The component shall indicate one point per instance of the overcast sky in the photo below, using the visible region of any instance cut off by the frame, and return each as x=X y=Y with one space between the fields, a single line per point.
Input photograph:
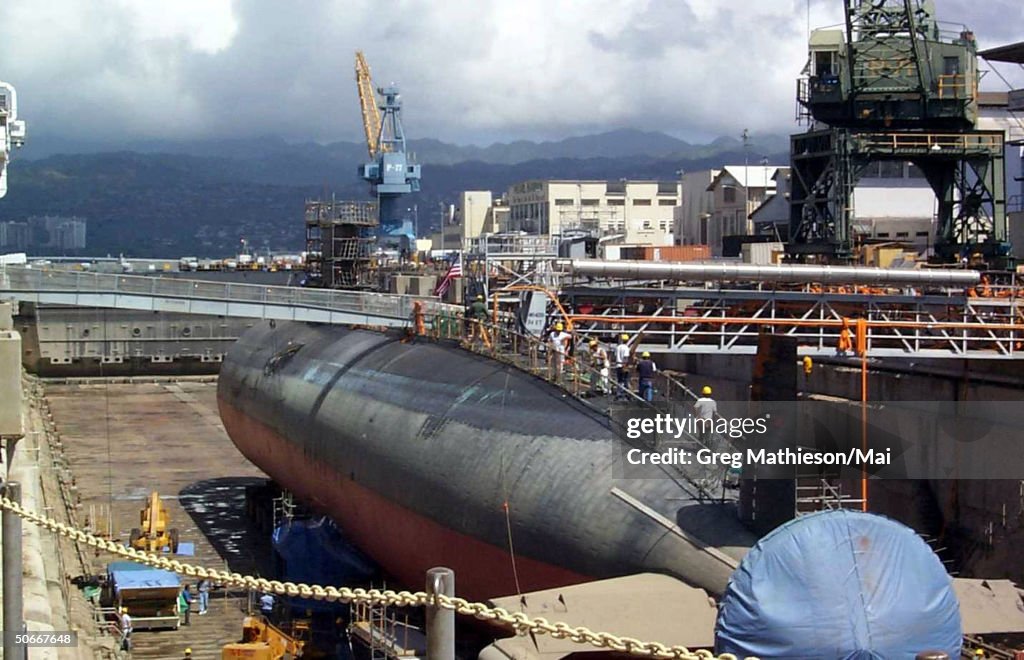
x=470 y=71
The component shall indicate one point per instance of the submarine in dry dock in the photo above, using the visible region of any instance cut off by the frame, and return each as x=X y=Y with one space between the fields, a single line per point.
x=427 y=454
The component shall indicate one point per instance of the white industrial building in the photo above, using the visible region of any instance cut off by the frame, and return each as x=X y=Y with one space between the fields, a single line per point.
x=690 y=221
x=719 y=203
x=640 y=211
x=474 y=216
x=892 y=201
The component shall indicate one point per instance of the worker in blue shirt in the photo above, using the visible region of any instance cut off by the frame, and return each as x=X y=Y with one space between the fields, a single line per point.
x=267 y=605
x=204 y=595
x=645 y=370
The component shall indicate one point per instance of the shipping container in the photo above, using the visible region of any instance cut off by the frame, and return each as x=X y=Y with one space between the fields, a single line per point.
x=676 y=253
x=633 y=252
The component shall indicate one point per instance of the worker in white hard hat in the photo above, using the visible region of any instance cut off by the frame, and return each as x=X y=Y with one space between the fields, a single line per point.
x=558 y=346
x=622 y=358
x=645 y=370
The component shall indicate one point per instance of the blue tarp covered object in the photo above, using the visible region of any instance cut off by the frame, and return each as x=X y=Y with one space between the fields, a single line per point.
x=129 y=575
x=314 y=551
x=839 y=584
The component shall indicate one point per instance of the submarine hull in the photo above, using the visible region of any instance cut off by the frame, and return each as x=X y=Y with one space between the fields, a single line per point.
x=429 y=455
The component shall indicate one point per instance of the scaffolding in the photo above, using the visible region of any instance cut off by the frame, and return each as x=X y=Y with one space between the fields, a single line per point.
x=339 y=243
x=378 y=629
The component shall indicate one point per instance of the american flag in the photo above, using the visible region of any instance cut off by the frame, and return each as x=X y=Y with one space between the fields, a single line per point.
x=453 y=272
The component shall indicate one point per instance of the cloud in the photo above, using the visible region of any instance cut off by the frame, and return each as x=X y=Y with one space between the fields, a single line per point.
x=121 y=70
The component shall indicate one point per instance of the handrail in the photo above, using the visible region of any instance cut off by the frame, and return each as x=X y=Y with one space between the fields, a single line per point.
x=933 y=141
x=372 y=304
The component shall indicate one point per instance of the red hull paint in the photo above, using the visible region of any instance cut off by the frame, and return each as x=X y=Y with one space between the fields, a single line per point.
x=404 y=542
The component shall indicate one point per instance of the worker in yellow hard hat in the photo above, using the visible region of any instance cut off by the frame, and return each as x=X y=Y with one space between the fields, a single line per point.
x=808 y=365
x=558 y=345
x=600 y=368
x=188 y=653
x=622 y=358
x=705 y=408
x=979 y=653
x=126 y=630
x=645 y=370
x=477 y=317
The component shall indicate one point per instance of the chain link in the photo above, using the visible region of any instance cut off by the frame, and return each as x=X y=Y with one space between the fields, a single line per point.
x=518 y=621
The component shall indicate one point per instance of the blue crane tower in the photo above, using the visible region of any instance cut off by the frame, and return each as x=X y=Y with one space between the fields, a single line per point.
x=391 y=174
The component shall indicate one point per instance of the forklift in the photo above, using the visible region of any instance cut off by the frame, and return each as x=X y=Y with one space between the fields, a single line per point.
x=153 y=535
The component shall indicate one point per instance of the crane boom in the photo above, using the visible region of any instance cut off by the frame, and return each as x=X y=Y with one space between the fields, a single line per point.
x=368 y=103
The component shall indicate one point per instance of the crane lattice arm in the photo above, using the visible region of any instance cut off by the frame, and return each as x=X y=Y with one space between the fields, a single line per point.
x=368 y=102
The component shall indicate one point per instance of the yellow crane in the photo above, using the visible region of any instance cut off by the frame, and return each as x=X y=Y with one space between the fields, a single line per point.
x=368 y=103
x=153 y=535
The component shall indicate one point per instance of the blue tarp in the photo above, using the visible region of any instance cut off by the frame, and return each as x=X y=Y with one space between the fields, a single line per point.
x=315 y=552
x=839 y=584
x=129 y=575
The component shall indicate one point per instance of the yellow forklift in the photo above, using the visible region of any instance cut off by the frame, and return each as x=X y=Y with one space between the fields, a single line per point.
x=153 y=534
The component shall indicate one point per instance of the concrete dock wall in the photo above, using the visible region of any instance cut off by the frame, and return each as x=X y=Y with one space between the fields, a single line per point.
x=979 y=522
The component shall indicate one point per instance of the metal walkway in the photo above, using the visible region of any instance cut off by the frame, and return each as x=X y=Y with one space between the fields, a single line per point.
x=974 y=323
x=154 y=293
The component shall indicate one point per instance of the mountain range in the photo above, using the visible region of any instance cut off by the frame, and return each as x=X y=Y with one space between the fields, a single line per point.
x=612 y=144
x=173 y=198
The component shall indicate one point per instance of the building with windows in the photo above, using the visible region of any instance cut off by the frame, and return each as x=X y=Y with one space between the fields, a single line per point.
x=473 y=215
x=690 y=219
x=15 y=235
x=738 y=190
x=48 y=233
x=892 y=201
x=640 y=211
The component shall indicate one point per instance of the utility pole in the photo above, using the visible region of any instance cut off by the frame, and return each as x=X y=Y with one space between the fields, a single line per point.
x=746 y=174
x=441 y=205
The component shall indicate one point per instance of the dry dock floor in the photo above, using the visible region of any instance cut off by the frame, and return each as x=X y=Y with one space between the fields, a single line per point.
x=123 y=441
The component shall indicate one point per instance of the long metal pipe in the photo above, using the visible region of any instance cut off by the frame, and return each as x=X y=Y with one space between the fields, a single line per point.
x=786 y=273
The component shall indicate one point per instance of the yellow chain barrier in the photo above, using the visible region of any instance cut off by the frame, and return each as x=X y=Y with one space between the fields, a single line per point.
x=518 y=621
